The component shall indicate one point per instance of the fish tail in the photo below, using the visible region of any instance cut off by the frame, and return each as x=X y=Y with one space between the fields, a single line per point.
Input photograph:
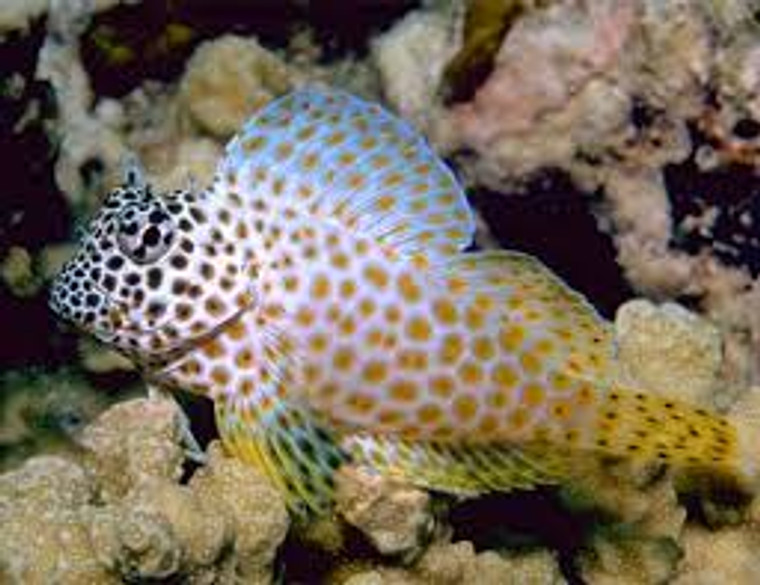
x=643 y=426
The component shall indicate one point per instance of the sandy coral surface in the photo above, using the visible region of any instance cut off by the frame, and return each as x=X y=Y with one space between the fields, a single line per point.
x=649 y=110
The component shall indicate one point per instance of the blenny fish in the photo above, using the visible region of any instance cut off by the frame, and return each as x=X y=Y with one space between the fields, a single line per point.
x=319 y=292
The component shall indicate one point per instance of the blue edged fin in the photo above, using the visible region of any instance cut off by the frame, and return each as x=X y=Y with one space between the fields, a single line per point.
x=348 y=161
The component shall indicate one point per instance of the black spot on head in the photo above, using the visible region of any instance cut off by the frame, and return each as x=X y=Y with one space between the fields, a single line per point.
x=157 y=216
x=156 y=309
x=179 y=286
x=130 y=229
x=91 y=300
x=151 y=237
x=155 y=276
x=109 y=283
x=198 y=215
x=132 y=279
x=187 y=245
x=185 y=225
x=178 y=261
x=114 y=262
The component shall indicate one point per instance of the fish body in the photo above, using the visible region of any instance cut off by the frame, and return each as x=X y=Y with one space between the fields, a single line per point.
x=319 y=293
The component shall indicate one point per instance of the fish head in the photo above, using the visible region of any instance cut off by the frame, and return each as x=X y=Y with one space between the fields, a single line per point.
x=154 y=273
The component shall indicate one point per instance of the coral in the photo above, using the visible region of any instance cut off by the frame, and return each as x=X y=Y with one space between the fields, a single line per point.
x=18 y=15
x=395 y=517
x=45 y=538
x=669 y=349
x=85 y=138
x=547 y=96
x=641 y=542
x=67 y=522
x=452 y=564
x=17 y=273
x=411 y=58
x=132 y=442
x=727 y=556
x=228 y=79
x=252 y=506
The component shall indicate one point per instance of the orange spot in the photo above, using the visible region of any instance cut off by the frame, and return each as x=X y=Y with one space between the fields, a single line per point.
x=393 y=179
x=483 y=348
x=347 y=289
x=474 y=318
x=244 y=359
x=532 y=395
x=518 y=419
x=418 y=328
x=375 y=337
x=412 y=360
x=212 y=348
x=392 y=314
x=408 y=288
x=253 y=144
x=503 y=376
x=442 y=386
x=318 y=342
x=470 y=373
x=320 y=287
x=376 y=275
x=560 y=381
x=366 y=307
x=339 y=260
x=456 y=285
x=451 y=348
x=220 y=375
x=305 y=316
x=429 y=414
x=390 y=417
x=283 y=150
x=335 y=138
x=530 y=362
x=385 y=203
x=561 y=411
x=343 y=359
x=347 y=325
x=403 y=391
x=362 y=403
x=585 y=394
x=311 y=373
x=374 y=372
x=306 y=132
x=488 y=425
x=445 y=311
x=497 y=399
x=465 y=408
x=511 y=338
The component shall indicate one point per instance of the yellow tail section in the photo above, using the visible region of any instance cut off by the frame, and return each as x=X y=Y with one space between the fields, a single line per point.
x=643 y=426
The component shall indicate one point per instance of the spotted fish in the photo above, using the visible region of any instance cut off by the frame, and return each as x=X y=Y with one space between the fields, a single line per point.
x=319 y=293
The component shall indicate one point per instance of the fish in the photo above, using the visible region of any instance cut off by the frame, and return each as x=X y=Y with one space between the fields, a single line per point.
x=323 y=292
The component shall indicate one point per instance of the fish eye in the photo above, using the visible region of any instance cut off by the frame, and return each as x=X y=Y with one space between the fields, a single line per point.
x=145 y=233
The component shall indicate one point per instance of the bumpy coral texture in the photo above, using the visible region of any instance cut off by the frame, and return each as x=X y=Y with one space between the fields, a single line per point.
x=121 y=513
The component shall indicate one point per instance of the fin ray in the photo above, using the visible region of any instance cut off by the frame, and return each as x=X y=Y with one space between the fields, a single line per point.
x=462 y=469
x=353 y=162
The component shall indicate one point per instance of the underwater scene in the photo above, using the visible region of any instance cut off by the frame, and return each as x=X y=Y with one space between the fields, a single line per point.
x=380 y=292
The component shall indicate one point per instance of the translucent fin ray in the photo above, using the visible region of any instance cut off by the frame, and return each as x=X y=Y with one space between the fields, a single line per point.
x=461 y=469
x=349 y=161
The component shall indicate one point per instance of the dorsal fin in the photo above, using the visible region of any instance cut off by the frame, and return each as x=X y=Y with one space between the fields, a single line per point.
x=349 y=161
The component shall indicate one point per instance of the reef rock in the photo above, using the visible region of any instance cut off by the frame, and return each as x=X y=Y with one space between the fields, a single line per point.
x=669 y=349
x=228 y=79
x=66 y=522
x=395 y=517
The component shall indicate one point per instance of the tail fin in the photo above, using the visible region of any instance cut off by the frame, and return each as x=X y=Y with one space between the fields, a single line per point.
x=643 y=426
